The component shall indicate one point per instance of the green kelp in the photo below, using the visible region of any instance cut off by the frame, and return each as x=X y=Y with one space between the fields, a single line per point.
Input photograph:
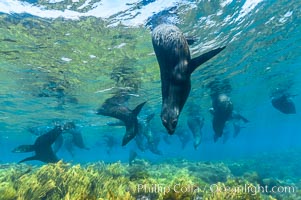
x=141 y=180
x=235 y=189
x=9 y=174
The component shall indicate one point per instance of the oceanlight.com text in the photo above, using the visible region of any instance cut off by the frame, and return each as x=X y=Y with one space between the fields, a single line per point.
x=214 y=188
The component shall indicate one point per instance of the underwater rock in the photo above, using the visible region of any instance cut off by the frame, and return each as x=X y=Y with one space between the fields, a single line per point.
x=211 y=172
x=253 y=177
x=120 y=181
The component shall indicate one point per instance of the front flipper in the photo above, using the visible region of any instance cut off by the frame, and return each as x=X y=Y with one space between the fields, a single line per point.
x=195 y=62
x=138 y=108
x=190 y=40
x=24 y=149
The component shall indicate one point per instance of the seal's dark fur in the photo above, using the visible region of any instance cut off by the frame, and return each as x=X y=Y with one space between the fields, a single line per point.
x=173 y=55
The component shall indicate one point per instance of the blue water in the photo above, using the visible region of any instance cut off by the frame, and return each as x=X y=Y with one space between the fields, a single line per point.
x=263 y=42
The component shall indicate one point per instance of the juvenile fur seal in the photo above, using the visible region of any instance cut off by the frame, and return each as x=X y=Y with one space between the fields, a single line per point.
x=42 y=147
x=129 y=117
x=144 y=138
x=77 y=138
x=173 y=55
x=236 y=129
x=284 y=104
x=222 y=111
x=195 y=124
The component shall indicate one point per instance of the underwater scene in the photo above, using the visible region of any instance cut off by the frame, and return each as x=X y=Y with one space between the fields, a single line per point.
x=150 y=99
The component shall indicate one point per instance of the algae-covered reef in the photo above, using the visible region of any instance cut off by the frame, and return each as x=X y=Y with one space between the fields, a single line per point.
x=141 y=180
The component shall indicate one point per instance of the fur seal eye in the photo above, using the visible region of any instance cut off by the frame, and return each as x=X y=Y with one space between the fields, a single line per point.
x=174 y=122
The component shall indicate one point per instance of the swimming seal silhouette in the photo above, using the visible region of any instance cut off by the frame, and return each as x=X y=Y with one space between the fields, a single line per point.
x=284 y=104
x=129 y=117
x=236 y=129
x=42 y=147
x=145 y=138
x=77 y=138
x=173 y=55
x=222 y=108
x=195 y=124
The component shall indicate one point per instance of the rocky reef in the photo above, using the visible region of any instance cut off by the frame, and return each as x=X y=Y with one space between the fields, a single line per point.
x=170 y=180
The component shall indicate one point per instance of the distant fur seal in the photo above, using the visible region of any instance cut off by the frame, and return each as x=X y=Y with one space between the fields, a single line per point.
x=222 y=112
x=284 y=104
x=236 y=129
x=42 y=147
x=173 y=55
x=77 y=138
x=195 y=124
x=144 y=138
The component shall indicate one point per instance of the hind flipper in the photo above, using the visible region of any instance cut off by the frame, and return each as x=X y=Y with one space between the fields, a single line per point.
x=28 y=159
x=137 y=110
x=130 y=133
x=132 y=126
x=24 y=149
x=195 y=62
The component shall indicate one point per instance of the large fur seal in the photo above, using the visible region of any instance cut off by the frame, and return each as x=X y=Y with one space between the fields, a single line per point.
x=42 y=147
x=173 y=55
